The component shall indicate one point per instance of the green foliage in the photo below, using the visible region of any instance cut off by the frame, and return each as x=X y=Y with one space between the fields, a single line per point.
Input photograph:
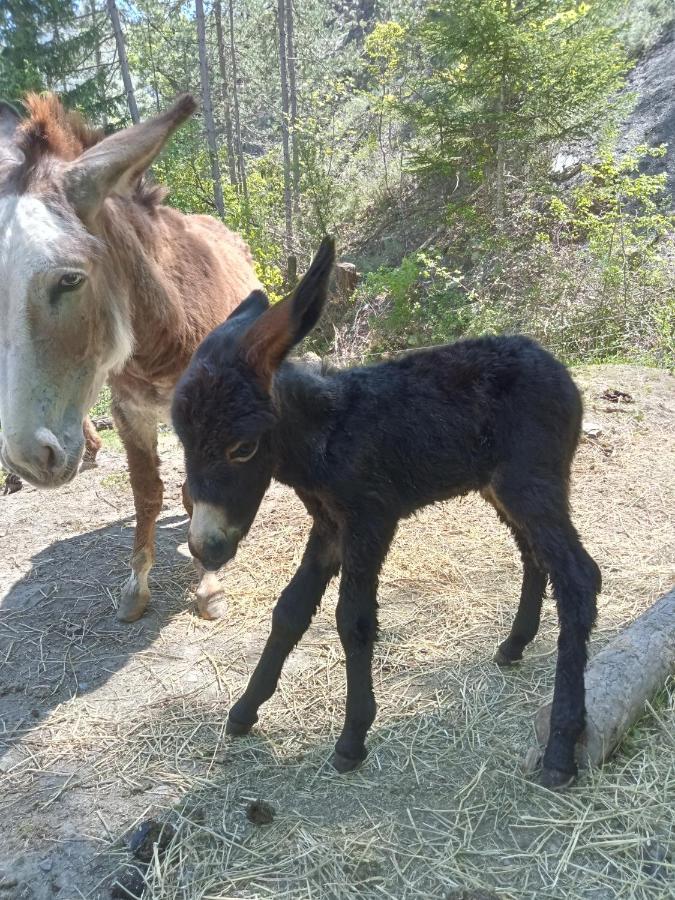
x=523 y=74
x=620 y=212
x=426 y=302
x=618 y=209
x=439 y=118
x=45 y=46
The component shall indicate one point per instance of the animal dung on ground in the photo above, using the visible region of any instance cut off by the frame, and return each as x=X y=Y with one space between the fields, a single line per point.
x=146 y=835
x=620 y=680
x=614 y=395
x=260 y=813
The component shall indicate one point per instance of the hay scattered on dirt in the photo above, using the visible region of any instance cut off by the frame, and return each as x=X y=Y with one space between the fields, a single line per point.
x=130 y=720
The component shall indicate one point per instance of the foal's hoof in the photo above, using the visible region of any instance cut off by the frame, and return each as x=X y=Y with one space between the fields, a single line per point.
x=237 y=729
x=555 y=779
x=343 y=764
x=504 y=659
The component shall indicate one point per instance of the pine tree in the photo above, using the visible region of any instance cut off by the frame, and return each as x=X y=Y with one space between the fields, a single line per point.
x=46 y=45
x=497 y=80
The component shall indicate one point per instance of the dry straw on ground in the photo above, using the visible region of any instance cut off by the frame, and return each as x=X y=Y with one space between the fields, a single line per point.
x=129 y=722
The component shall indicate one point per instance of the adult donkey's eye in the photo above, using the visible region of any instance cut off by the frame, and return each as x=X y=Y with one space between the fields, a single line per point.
x=242 y=451
x=70 y=281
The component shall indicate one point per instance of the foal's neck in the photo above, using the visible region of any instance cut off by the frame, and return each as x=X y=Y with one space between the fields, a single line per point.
x=305 y=401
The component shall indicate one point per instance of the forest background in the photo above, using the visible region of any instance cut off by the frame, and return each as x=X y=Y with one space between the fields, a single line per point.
x=478 y=160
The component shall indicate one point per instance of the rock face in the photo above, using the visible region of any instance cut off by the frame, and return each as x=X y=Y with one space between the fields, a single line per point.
x=652 y=121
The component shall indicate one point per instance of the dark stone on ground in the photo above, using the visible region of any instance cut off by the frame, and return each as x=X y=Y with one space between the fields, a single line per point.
x=260 y=813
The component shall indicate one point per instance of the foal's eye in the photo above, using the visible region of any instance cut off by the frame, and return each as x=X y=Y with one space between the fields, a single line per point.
x=70 y=281
x=242 y=451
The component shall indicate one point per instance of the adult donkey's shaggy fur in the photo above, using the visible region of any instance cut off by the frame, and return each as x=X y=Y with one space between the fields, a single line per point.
x=364 y=448
x=99 y=280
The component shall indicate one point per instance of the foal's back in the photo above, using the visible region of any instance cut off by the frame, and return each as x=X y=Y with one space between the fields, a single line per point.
x=441 y=422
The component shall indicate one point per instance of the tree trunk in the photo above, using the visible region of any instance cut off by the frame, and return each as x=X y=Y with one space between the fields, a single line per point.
x=502 y=106
x=97 y=56
x=235 y=102
x=501 y=156
x=620 y=680
x=208 y=111
x=124 y=63
x=281 y=21
x=151 y=55
x=225 y=91
x=293 y=98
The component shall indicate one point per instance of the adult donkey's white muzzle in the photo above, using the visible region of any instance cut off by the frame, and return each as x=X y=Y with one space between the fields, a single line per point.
x=40 y=457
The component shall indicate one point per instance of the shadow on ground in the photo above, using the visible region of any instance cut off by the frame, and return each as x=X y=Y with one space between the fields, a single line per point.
x=59 y=637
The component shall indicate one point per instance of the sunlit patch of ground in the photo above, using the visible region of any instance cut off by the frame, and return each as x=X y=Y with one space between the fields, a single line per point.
x=105 y=724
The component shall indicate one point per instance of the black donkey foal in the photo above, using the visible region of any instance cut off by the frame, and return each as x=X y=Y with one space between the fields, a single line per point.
x=366 y=447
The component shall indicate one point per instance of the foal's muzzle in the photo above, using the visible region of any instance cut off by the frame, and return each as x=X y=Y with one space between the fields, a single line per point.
x=212 y=541
x=215 y=551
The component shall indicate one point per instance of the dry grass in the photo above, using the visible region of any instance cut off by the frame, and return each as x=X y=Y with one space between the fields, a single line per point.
x=440 y=803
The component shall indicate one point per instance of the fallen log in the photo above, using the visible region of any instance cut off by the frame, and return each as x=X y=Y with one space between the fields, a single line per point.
x=620 y=679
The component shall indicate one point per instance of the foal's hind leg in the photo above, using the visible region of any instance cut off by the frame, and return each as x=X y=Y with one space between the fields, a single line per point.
x=526 y=623
x=138 y=431
x=539 y=509
x=211 y=602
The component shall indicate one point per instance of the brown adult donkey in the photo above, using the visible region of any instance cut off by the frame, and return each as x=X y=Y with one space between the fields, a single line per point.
x=99 y=281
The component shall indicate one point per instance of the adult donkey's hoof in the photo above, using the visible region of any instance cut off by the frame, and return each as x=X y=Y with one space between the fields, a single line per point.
x=211 y=602
x=133 y=602
x=213 y=607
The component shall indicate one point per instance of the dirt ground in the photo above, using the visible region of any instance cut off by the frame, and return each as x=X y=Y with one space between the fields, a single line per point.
x=103 y=725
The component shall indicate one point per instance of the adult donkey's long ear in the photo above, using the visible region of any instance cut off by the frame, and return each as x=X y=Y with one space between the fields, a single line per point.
x=285 y=324
x=114 y=165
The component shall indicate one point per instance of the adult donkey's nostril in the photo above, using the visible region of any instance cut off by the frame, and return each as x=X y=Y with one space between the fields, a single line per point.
x=50 y=455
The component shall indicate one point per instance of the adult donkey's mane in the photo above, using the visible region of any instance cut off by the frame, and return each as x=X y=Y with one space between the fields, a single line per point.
x=99 y=279
x=51 y=133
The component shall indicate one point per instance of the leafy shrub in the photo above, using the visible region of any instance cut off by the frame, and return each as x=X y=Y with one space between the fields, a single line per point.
x=426 y=302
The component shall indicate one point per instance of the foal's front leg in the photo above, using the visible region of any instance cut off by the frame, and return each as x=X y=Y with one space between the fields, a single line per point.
x=291 y=618
x=138 y=431
x=356 y=614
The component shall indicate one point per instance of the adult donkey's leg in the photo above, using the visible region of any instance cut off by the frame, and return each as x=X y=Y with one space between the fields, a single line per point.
x=92 y=444
x=138 y=431
x=211 y=602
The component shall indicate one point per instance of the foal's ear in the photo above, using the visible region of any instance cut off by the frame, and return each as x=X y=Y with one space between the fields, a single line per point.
x=115 y=164
x=285 y=324
x=253 y=306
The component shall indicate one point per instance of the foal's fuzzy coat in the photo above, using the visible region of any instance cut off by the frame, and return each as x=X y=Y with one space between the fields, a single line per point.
x=364 y=448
